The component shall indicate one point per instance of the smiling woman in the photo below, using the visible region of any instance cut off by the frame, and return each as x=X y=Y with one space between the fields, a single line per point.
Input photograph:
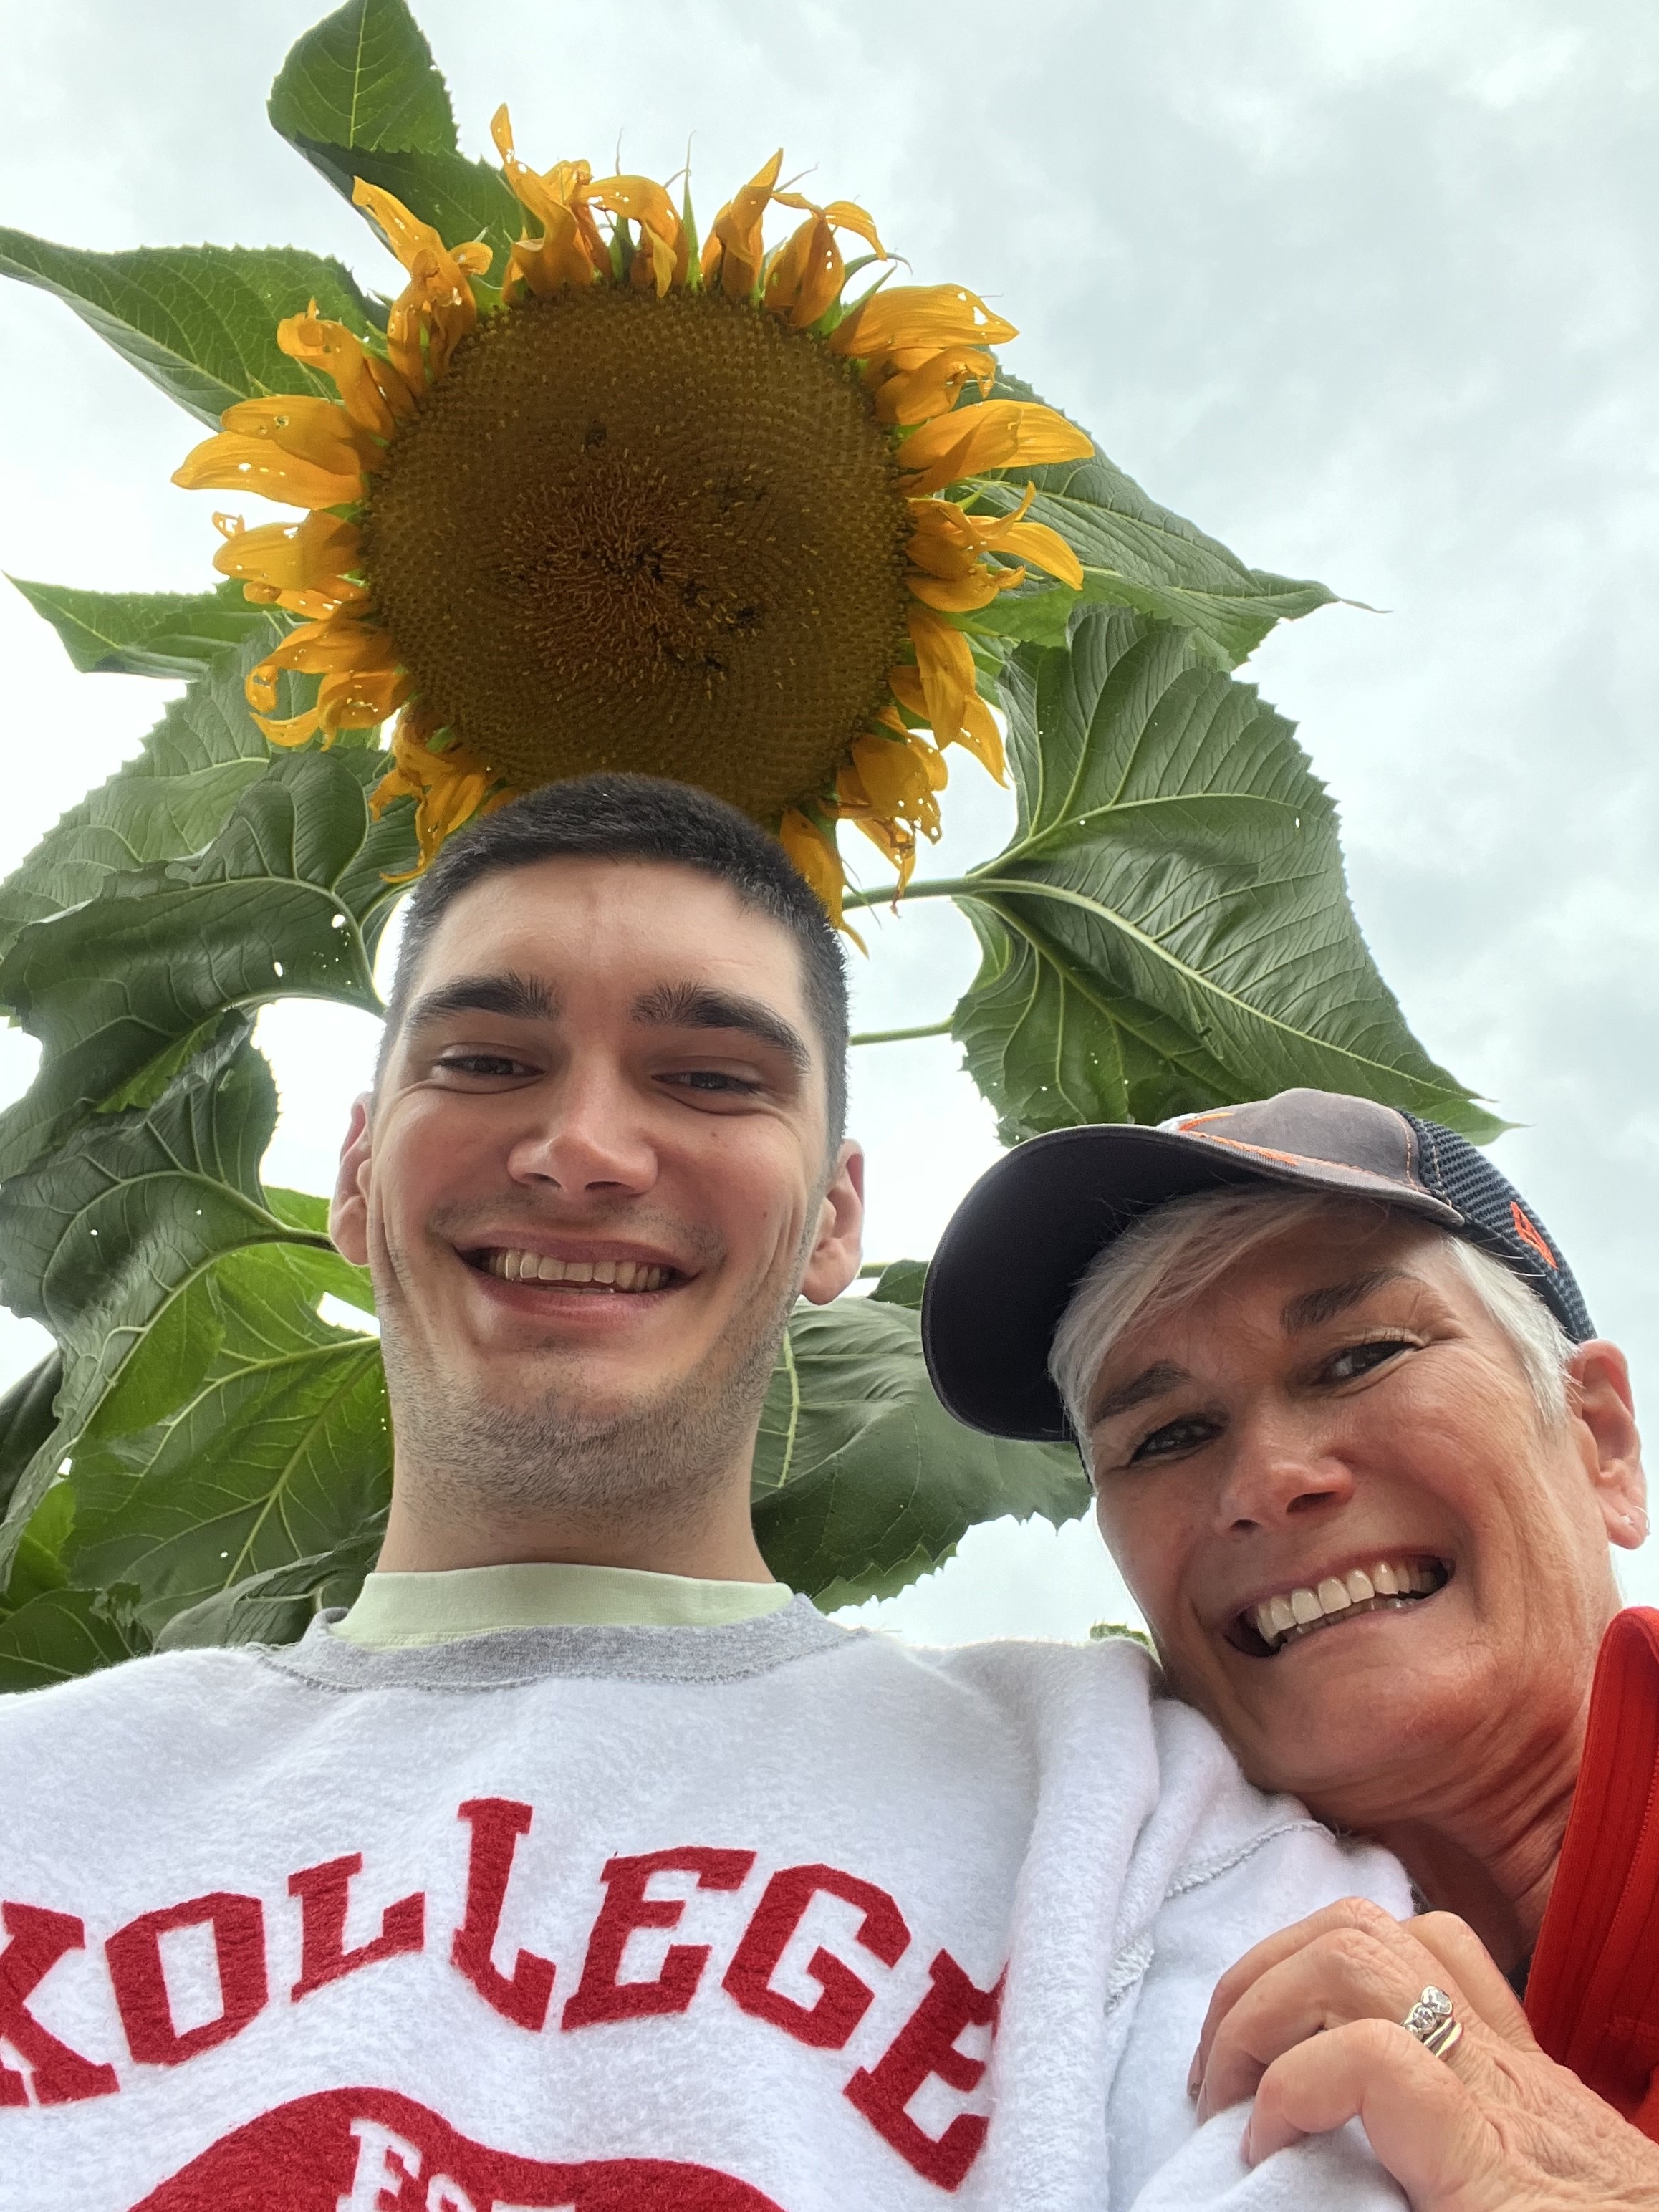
x=1360 y=1456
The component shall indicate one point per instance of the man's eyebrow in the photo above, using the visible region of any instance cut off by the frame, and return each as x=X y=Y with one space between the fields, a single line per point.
x=1151 y=1382
x=699 y=1006
x=1314 y=1307
x=519 y=998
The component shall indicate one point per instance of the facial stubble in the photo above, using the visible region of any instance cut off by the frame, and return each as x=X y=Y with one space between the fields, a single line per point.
x=660 y=1459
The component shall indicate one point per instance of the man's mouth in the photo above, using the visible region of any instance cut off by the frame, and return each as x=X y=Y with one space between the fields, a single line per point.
x=597 y=1273
x=1271 y=1623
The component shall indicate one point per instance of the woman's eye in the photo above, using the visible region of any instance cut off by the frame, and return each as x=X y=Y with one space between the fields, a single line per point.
x=1172 y=1439
x=1357 y=1360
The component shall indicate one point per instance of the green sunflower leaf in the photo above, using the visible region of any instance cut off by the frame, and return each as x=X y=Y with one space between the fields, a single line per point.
x=200 y=321
x=862 y=1481
x=1169 y=929
x=148 y=633
x=26 y=1420
x=364 y=76
x=99 y=1240
x=359 y=96
x=288 y=902
x=1136 y=554
x=243 y=1435
x=276 y=1606
x=171 y=800
x=64 y=1632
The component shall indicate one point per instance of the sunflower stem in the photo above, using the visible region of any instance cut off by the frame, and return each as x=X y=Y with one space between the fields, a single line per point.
x=899 y=1036
x=940 y=887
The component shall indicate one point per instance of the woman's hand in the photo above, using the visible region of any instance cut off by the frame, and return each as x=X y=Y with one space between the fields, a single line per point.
x=1308 y=2023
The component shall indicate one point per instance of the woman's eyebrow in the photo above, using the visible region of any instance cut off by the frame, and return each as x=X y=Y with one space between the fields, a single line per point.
x=699 y=1006
x=1163 y=1375
x=1313 y=1308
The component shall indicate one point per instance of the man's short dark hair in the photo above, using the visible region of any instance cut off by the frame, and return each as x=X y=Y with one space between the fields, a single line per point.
x=640 y=817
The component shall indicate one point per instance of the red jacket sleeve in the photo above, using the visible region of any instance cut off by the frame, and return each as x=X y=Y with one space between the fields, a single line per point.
x=1593 y=1993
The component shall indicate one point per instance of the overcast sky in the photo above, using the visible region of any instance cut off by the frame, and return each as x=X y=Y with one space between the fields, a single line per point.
x=1366 y=288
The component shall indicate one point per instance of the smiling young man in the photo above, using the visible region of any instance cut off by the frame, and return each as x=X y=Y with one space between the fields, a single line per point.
x=579 y=1865
x=1361 y=1457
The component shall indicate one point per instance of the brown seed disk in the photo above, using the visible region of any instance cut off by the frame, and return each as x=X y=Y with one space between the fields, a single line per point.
x=661 y=535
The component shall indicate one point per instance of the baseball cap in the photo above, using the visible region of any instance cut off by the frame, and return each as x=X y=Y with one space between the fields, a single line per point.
x=1014 y=1250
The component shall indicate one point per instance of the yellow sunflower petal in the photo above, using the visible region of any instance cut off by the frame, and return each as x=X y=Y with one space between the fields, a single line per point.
x=997 y=433
x=643 y=201
x=317 y=430
x=945 y=665
x=298 y=730
x=235 y=462
x=918 y=315
x=961 y=595
x=933 y=387
x=319 y=648
x=734 y=251
x=360 y=698
x=373 y=393
x=814 y=856
x=981 y=737
x=804 y=278
x=300 y=566
x=1043 y=548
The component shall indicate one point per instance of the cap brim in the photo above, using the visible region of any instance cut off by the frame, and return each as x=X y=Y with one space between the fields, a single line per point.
x=1016 y=1247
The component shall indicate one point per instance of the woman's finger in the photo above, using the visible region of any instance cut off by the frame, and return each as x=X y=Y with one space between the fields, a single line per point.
x=1347 y=1913
x=1464 y=1957
x=1340 y=1976
x=1423 y=2124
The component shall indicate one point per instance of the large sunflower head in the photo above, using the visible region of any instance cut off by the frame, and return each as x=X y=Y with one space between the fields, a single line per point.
x=690 y=513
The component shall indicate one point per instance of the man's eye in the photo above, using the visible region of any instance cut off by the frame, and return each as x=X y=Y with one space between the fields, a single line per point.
x=482 y=1064
x=1174 y=1438
x=715 y=1080
x=1357 y=1360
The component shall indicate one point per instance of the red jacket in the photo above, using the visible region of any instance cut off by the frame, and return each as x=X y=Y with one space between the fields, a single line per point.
x=1593 y=1993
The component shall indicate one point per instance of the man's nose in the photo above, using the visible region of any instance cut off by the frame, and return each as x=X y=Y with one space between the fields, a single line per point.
x=588 y=1135
x=1279 y=1474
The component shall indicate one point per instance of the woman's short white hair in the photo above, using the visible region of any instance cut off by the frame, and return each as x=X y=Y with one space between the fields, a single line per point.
x=1174 y=1252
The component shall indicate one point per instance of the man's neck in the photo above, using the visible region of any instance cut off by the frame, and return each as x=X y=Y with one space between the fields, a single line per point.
x=717 y=1545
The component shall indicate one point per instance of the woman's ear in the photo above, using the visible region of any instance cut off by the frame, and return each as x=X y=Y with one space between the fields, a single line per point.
x=348 y=1212
x=1611 y=1443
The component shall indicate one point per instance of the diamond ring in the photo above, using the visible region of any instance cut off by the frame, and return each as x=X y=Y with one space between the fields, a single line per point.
x=1434 y=2023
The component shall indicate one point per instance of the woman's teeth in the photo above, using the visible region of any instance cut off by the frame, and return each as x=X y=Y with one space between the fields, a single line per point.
x=604 y=1275
x=1295 y=1613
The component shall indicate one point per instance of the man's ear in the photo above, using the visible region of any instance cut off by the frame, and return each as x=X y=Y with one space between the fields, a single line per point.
x=832 y=1262
x=348 y=1212
x=1609 y=1440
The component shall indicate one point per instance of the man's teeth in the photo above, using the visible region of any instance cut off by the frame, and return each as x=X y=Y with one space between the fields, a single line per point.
x=610 y=1275
x=1294 y=1612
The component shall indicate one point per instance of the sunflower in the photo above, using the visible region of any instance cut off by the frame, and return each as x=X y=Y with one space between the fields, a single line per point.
x=689 y=513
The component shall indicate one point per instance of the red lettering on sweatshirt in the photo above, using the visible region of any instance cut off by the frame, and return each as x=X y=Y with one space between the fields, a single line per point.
x=927 y=2045
x=39 y=1939
x=828 y=2021
x=323 y=1892
x=134 y=1953
x=599 y=1996
x=522 y=1996
x=372 y=2150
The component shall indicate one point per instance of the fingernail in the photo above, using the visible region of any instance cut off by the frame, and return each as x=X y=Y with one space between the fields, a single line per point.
x=1244 y=2150
x=1194 y=2077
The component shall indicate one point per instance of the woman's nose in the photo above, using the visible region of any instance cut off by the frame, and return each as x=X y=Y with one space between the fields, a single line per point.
x=589 y=1136
x=1276 y=1476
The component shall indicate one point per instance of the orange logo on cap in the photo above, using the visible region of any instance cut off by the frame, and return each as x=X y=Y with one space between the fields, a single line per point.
x=1530 y=1234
